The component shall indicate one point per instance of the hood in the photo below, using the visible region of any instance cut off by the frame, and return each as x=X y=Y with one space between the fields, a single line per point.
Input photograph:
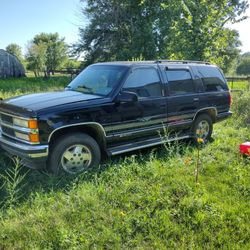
x=41 y=101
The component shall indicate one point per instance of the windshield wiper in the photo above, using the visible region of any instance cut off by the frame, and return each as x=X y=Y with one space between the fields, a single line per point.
x=84 y=87
x=81 y=88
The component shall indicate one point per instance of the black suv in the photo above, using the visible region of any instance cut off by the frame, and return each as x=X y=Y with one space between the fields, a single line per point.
x=112 y=108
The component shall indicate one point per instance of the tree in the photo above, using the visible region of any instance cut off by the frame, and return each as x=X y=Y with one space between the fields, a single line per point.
x=36 y=57
x=15 y=50
x=244 y=67
x=190 y=29
x=52 y=49
x=71 y=64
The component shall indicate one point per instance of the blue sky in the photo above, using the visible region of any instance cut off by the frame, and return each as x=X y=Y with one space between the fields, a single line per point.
x=21 y=20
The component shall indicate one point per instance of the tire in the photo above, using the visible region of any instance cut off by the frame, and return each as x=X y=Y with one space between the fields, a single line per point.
x=202 y=128
x=74 y=154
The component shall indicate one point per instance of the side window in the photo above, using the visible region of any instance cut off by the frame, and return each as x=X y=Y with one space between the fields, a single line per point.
x=212 y=78
x=145 y=82
x=180 y=82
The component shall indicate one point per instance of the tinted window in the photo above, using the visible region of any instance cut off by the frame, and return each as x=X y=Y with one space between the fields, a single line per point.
x=180 y=82
x=145 y=82
x=212 y=78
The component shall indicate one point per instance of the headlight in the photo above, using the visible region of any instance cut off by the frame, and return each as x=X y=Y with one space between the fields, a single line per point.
x=22 y=136
x=34 y=138
x=26 y=129
x=32 y=124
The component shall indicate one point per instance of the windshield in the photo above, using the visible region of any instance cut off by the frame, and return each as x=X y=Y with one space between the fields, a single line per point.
x=98 y=79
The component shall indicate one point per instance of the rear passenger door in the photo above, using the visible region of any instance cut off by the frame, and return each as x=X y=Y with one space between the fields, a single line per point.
x=183 y=98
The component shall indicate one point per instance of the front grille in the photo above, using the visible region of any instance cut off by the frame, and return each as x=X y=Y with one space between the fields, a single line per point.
x=6 y=118
x=8 y=131
x=6 y=122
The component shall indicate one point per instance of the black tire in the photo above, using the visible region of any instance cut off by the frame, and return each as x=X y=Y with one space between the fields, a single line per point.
x=201 y=121
x=74 y=154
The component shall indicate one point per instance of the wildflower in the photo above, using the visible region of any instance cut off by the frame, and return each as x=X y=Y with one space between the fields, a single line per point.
x=200 y=140
x=122 y=213
x=187 y=161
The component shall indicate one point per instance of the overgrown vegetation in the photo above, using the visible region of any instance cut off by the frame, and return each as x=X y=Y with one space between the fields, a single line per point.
x=143 y=200
x=13 y=87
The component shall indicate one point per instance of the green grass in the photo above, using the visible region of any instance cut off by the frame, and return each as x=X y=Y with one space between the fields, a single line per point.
x=25 y=85
x=242 y=85
x=143 y=200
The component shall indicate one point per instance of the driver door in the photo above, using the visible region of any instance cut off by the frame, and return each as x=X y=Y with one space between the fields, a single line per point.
x=145 y=117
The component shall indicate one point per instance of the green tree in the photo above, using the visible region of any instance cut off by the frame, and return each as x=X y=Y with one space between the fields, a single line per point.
x=36 y=57
x=71 y=64
x=190 y=29
x=244 y=67
x=15 y=50
x=53 y=51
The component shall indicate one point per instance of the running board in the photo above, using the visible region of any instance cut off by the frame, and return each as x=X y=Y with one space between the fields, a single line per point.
x=142 y=144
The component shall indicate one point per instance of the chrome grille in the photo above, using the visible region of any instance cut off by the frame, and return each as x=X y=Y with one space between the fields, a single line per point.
x=6 y=118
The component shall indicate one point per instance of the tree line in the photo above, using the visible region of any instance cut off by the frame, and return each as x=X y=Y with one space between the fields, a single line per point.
x=147 y=30
x=46 y=52
x=160 y=29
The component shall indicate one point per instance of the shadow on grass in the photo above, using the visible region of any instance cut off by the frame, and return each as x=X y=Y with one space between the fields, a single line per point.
x=40 y=181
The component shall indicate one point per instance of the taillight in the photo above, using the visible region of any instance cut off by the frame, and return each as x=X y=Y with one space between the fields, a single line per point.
x=230 y=100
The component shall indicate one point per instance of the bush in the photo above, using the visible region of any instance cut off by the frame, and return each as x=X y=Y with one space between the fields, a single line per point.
x=241 y=108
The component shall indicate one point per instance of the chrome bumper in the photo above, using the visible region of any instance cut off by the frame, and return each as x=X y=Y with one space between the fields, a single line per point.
x=23 y=150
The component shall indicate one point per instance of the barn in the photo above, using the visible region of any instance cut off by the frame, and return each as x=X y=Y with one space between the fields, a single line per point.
x=10 y=65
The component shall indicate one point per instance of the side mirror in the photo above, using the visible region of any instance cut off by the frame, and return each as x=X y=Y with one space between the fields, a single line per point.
x=126 y=96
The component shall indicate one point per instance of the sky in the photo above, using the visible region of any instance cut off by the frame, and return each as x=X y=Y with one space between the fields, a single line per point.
x=21 y=20
x=244 y=30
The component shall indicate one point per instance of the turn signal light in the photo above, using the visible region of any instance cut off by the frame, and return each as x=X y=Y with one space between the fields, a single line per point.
x=32 y=124
x=34 y=137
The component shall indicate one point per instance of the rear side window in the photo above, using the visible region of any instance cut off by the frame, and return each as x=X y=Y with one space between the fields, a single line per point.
x=145 y=82
x=180 y=82
x=212 y=78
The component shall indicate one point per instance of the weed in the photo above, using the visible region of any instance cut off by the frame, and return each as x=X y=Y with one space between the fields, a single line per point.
x=13 y=183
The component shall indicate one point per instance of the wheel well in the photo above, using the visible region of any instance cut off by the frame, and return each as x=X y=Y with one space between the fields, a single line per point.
x=211 y=112
x=92 y=130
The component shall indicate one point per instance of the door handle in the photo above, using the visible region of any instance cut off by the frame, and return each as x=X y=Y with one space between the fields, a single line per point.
x=196 y=99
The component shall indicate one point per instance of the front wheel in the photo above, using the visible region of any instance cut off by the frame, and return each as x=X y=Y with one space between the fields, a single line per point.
x=74 y=154
x=202 y=128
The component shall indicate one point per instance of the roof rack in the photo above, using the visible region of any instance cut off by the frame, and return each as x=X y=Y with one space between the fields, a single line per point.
x=182 y=61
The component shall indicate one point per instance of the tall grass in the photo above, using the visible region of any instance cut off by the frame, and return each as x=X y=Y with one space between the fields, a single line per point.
x=241 y=108
x=14 y=87
x=144 y=200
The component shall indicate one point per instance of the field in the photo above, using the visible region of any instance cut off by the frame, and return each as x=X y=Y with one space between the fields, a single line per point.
x=144 y=200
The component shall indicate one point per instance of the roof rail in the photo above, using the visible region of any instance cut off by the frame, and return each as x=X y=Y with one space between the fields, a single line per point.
x=182 y=61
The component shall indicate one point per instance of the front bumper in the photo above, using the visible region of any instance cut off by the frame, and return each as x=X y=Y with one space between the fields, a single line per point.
x=33 y=156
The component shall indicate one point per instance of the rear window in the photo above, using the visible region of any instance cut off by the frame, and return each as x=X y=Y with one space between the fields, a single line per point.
x=212 y=78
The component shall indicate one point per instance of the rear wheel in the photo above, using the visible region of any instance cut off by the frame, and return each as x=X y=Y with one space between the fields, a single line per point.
x=74 y=154
x=202 y=128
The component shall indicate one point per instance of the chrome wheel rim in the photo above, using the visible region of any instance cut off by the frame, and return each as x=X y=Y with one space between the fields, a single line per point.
x=76 y=158
x=202 y=130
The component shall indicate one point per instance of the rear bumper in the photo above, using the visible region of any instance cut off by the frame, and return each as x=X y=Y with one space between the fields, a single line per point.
x=223 y=116
x=33 y=156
